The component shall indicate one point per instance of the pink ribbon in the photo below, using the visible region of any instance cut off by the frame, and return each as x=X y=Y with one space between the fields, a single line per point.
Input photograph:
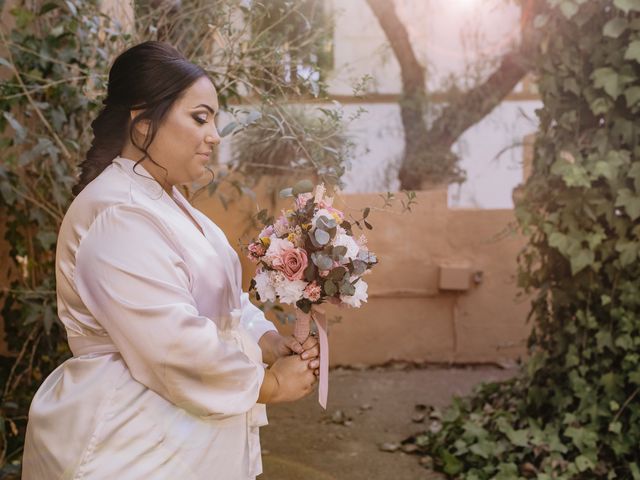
x=301 y=333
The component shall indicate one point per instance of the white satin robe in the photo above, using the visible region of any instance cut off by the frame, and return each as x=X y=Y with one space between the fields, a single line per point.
x=166 y=370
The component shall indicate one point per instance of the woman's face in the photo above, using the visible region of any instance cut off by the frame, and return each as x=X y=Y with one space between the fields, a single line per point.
x=185 y=139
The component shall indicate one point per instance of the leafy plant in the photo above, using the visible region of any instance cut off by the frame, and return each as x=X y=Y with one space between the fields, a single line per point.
x=574 y=411
x=54 y=74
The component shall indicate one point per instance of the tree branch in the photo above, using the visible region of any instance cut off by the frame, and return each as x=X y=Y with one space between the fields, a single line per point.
x=413 y=80
x=464 y=111
x=479 y=101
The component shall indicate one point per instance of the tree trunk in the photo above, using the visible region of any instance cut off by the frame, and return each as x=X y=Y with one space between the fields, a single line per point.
x=427 y=155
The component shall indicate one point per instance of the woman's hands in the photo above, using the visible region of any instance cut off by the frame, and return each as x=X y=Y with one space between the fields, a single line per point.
x=294 y=380
x=294 y=367
x=275 y=346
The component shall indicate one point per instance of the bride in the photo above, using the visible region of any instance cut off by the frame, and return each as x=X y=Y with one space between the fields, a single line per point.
x=168 y=377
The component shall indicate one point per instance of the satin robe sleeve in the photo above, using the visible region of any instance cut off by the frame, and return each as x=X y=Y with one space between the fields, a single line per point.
x=253 y=318
x=132 y=277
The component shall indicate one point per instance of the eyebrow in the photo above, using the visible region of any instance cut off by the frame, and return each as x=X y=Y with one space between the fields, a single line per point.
x=205 y=106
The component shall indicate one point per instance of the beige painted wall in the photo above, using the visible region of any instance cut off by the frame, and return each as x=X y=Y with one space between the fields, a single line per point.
x=407 y=316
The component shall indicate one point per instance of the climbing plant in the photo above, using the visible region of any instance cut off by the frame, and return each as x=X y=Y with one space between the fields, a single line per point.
x=54 y=65
x=574 y=411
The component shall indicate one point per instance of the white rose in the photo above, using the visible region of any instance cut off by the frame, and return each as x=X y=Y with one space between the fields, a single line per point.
x=358 y=297
x=290 y=291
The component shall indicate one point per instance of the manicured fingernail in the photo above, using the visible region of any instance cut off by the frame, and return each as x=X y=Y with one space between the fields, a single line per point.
x=305 y=355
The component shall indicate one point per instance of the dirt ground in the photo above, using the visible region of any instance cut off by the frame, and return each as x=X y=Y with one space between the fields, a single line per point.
x=366 y=408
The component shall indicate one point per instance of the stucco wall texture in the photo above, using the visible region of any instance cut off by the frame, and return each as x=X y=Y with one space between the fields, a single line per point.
x=408 y=316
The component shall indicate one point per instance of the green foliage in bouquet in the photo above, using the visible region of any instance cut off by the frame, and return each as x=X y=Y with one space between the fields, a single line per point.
x=574 y=411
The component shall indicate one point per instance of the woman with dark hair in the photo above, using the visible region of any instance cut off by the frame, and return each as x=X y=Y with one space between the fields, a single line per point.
x=168 y=377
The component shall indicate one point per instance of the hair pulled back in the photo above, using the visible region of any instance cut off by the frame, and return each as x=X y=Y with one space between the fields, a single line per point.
x=149 y=76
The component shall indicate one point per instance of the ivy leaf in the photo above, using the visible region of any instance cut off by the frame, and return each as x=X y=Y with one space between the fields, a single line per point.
x=629 y=251
x=519 y=438
x=452 y=465
x=605 y=169
x=634 y=172
x=614 y=27
x=558 y=241
x=601 y=105
x=633 y=51
x=615 y=427
x=607 y=79
x=627 y=5
x=581 y=260
x=584 y=463
x=568 y=8
x=630 y=201
x=603 y=340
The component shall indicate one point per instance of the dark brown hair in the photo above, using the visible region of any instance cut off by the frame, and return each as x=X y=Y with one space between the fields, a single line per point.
x=149 y=76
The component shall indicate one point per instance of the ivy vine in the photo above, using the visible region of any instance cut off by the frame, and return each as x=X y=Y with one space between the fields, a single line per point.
x=574 y=411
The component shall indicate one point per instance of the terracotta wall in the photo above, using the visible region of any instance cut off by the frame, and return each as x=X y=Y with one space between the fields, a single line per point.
x=408 y=316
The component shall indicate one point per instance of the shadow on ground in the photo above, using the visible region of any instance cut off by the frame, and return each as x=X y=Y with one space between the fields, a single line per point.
x=366 y=408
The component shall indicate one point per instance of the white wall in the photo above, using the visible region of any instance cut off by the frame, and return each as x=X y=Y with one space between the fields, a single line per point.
x=449 y=37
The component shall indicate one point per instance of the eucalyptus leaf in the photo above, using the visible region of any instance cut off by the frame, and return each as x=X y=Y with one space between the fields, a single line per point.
x=303 y=186
x=321 y=236
x=330 y=288
x=286 y=192
x=322 y=261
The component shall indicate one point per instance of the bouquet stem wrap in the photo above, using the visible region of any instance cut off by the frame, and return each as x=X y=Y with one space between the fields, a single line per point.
x=301 y=331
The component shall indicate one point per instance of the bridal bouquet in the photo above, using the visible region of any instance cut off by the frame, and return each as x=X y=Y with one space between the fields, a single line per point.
x=308 y=256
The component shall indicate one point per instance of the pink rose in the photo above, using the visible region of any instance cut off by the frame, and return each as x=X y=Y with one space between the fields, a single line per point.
x=292 y=263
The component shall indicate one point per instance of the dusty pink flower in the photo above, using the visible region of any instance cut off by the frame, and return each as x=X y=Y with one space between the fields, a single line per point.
x=292 y=263
x=256 y=251
x=312 y=291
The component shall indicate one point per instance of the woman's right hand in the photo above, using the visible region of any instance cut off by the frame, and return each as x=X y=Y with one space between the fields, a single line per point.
x=294 y=379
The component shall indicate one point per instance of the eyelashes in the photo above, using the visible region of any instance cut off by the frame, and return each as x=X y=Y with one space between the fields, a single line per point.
x=199 y=120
